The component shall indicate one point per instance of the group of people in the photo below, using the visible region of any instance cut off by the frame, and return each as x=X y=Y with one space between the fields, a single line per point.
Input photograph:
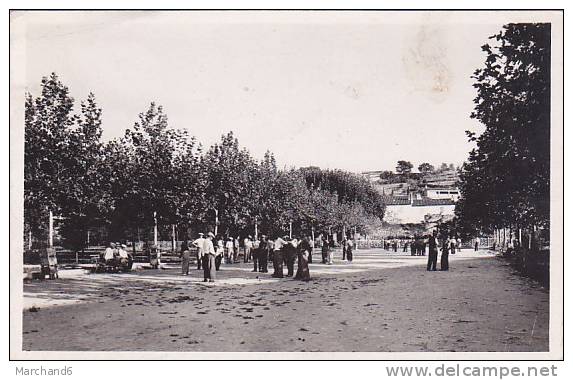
x=282 y=251
x=116 y=257
x=448 y=246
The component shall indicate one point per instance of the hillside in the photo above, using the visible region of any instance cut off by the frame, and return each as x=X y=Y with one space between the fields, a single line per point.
x=399 y=185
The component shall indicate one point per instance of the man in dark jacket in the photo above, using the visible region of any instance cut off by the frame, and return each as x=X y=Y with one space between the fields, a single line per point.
x=433 y=252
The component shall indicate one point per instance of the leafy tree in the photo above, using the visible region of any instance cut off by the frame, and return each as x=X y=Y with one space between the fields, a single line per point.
x=505 y=181
x=404 y=167
x=145 y=171
x=84 y=208
x=48 y=163
x=425 y=168
x=230 y=173
x=386 y=174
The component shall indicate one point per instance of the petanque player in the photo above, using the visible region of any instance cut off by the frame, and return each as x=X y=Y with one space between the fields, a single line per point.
x=290 y=256
x=433 y=252
x=303 y=272
x=220 y=250
x=264 y=248
x=185 y=258
x=325 y=249
x=209 y=255
x=444 y=263
x=247 y=247
x=255 y=254
x=198 y=243
x=278 y=257
x=229 y=251
x=349 y=248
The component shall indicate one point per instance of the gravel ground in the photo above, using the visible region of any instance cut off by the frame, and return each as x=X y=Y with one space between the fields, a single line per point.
x=382 y=302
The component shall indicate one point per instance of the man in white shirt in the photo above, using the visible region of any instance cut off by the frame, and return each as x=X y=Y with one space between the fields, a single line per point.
x=248 y=243
x=278 y=257
x=198 y=243
x=108 y=254
x=229 y=248
x=210 y=254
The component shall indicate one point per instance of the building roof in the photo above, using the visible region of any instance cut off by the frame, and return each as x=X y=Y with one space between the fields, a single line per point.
x=425 y=201
x=395 y=200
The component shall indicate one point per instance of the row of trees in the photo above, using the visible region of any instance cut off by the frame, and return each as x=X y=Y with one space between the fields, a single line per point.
x=156 y=174
x=505 y=182
x=404 y=169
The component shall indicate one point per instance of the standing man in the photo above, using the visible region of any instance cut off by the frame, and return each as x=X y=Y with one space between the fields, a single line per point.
x=476 y=243
x=433 y=252
x=325 y=248
x=278 y=257
x=453 y=243
x=349 y=248
x=344 y=248
x=290 y=253
x=263 y=254
x=248 y=246
x=444 y=262
x=255 y=254
x=219 y=251
x=198 y=243
x=209 y=255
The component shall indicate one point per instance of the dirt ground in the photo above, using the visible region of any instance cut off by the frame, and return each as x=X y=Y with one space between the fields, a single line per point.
x=382 y=302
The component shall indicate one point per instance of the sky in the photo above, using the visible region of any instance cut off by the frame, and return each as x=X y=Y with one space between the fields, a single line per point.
x=351 y=90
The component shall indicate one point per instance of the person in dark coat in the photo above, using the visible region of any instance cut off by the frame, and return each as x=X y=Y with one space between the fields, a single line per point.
x=344 y=248
x=349 y=248
x=303 y=272
x=185 y=258
x=433 y=252
x=290 y=256
x=278 y=252
x=325 y=249
x=444 y=262
x=263 y=254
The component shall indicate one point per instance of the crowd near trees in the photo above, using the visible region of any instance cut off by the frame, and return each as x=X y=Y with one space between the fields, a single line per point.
x=157 y=174
x=505 y=181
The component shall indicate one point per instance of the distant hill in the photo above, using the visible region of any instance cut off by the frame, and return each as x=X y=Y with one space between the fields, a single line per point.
x=395 y=184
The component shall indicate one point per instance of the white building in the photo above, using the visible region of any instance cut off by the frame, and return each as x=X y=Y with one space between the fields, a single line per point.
x=416 y=208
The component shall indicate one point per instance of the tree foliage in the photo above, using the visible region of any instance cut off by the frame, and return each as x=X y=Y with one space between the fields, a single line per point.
x=155 y=173
x=404 y=167
x=505 y=181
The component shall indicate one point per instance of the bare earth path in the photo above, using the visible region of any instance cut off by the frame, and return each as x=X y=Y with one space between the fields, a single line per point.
x=381 y=302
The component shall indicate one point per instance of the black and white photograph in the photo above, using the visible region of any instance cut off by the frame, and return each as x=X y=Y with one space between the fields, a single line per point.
x=286 y=184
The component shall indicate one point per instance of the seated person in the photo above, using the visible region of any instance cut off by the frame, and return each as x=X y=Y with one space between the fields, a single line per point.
x=125 y=260
x=109 y=254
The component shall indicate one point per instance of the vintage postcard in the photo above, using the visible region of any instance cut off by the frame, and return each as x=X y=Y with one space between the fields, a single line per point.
x=286 y=184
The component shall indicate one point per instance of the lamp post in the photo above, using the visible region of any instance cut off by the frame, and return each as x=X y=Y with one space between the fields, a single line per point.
x=216 y=221
x=50 y=229
x=155 y=238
